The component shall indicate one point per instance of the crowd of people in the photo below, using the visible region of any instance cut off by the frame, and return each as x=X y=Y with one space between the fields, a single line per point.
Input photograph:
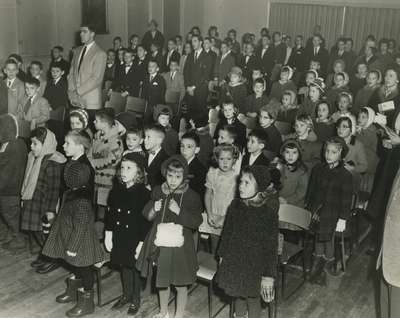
x=232 y=129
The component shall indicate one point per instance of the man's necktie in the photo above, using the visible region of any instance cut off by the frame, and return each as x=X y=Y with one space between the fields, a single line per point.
x=81 y=58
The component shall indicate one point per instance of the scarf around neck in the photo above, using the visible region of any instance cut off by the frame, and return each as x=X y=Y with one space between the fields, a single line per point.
x=34 y=163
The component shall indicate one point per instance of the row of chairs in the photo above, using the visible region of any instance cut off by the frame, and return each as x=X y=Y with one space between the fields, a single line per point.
x=124 y=104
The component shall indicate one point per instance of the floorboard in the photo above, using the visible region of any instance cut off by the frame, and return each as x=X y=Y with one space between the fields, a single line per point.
x=25 y=294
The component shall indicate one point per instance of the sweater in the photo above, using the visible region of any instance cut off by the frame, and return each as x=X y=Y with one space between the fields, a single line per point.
x=294 y=185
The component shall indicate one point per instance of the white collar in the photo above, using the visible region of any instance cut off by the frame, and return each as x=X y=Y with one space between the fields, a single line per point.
x=11 y=81
x=88 y=46
x=191 y=159
x=57 y=80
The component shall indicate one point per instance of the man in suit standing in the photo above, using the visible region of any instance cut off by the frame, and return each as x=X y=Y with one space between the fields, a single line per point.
x=318 y=53
x=248 y=62
x=197 y=74
x=85 y=77
x=126 y=76
x=266 y=56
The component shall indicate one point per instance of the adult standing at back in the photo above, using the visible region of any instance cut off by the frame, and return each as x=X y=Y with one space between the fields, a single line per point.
x=85 y=77
x=197 y=74
x=153 y=35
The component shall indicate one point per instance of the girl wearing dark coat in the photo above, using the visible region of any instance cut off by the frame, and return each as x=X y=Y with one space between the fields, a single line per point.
x=126 y=227
x=41 y=187
x=249 y=243
x=329 y=196
x=175 y=205
x=73 y=237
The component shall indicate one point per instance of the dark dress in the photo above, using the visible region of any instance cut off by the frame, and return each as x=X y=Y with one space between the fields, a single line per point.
x=125 y=219
x=175 y=265
x=45 y=197
x=324 y=131
x=248 y=246
x=330 y=191
x=73 y=229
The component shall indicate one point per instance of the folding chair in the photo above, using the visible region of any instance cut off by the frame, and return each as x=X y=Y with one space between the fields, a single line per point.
x=99 y=278
x=117 y=102
x=300 y=218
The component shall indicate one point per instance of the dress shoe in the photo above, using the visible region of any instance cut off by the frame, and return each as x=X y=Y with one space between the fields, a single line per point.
x=38 y=262
x=47 y=268
x=120 y=303
x=133 y=309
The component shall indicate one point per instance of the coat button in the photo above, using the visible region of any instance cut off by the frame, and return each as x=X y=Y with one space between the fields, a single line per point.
x=127 y=226
x=129 y=212
x=119 y=210
x=118 y=223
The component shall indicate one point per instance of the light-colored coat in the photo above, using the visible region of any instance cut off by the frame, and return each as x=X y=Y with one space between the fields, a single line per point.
x=173 y=87
x=389 y=255
x=37 y=114
x=16 y=95
x=84 y=87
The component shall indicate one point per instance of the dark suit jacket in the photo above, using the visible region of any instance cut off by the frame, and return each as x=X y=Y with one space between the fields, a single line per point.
x=198 y=73
x=140 y=73
x=248 y=67
x=125 y=81
x=280 y=53
x=154 y=176
x=148 y=40
x=298 y=59
x=160 y=60
x=175 y=56
x=197 y=174
x=214 y=57
x=322 y=57
x=267 y=61
x=223 y=67
x=260 y=161
x=57 y=94
x=154 y=91
x=3 y=98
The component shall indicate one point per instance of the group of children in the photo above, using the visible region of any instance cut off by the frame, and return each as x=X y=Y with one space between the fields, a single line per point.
x=152 y=186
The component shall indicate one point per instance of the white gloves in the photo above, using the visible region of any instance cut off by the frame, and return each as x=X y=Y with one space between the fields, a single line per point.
x=108 y=241
x=138 y=249
x=341 y=225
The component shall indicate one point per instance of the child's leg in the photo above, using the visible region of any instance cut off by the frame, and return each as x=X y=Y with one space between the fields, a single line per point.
x=181 y=301
x=240 y=307
x=164 y=297
x=254 y=306
x=214 y=243
x=127 y=282
x=136 y=286
x=329 y=249
x=86 y=274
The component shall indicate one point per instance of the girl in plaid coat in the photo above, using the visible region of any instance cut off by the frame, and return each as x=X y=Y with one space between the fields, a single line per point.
x=41 y=186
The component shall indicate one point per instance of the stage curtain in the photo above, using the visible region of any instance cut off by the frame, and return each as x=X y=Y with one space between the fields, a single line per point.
x=300 y=19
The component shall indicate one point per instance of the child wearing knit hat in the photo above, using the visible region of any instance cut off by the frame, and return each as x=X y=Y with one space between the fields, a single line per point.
x=79 y=120
x=285 y=83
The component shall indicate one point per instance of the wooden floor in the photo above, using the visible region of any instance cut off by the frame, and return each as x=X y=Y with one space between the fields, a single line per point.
x=23 y=294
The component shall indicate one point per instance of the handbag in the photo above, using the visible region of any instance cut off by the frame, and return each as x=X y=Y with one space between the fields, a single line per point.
x=169 y=234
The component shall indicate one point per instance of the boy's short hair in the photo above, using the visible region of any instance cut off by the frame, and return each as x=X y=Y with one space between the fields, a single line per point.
x=272 y=108
x=91 y=27
x=257 y=68
x=232 y=31
x=157 y=128
x=225 y=147
x=227 y=42
x=304 y=118
x=58 y=47
x=199 y=37
x=172 y=39
x=231 y=130
x=32 y=81
x=129 y=51
x=261 y=136
x=178 y=37
x=80 y=137
x=192 y=136
x=117 y=38
x=11 y=61
x=135 y=131
x=154 y=61
x=107 y=115
x=38 y=63
x=227 y=100
x=16 y=57
x=259 y=81
x=57 y=65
